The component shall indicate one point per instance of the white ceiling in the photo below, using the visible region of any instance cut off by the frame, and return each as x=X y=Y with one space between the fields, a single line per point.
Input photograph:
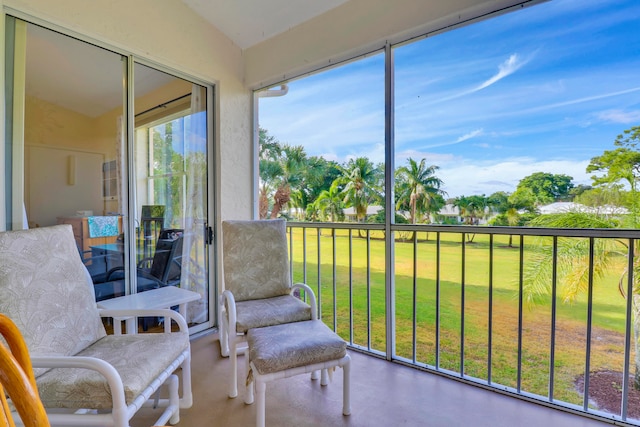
x=248 y=22
x=85 y=79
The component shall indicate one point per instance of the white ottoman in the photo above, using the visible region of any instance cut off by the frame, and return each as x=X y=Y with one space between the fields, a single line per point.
x=283 y=351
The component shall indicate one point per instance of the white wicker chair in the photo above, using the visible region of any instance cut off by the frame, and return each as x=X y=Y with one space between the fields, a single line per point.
x=84 y=376
x=257 y=285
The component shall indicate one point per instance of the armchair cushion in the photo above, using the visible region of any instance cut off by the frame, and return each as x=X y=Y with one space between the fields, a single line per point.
x=265 y=244
x=270 y=311
x=40 y=273
x=139 y=359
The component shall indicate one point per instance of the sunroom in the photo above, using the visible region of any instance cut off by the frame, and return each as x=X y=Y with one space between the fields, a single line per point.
x=126 y=118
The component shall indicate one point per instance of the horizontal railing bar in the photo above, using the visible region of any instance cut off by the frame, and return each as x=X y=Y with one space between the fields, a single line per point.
x=336 y=225
x=524 y=231
x=471 y=229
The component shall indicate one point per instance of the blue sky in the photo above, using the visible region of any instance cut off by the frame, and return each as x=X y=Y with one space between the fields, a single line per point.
x=543 y=89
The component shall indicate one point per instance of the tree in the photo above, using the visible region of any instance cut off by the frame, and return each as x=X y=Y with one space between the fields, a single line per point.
x=621 y=165
x=269 y=170
x=546 y=187
x=318 y=177
x=330 y=202
x=472 y=209
x=362 y=185
x=418 y=188
x=508 y=207
x=292 y=165
x=612 y=195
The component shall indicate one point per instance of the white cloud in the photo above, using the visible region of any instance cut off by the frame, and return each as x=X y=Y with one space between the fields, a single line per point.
x=460 y=177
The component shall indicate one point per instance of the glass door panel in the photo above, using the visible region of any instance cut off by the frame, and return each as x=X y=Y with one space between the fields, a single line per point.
x=67 y=139
x=171 y=185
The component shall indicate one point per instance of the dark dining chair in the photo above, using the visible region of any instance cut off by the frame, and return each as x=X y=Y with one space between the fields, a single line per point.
x=162 y=269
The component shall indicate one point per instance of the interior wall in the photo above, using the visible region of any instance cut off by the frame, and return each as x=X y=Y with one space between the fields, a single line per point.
x=58 y=142
x=355 y=28
x=169 y=33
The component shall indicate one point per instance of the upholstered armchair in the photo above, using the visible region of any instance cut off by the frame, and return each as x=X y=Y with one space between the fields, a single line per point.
x=257 y=285
x=84 y=376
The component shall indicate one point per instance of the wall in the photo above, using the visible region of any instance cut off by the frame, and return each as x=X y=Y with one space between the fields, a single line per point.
x=52 y=135
x=169 y=33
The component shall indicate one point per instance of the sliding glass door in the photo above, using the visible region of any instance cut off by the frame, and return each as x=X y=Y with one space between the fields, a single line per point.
x=170 y=166
x=129 y=177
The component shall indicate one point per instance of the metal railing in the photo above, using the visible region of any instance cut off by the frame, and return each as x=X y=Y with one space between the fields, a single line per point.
x=533 y=312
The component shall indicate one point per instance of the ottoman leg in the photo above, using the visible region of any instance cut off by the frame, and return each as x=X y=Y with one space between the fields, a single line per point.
x=261 y=389
x=346 y=386
x=324 y=377
x=248 y=394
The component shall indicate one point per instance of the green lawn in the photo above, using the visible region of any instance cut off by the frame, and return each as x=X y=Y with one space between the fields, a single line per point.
x=368 y=302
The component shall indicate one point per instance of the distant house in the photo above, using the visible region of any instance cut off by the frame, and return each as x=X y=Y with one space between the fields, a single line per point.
x=562 y=207
x=350 y=213
x=449 y=211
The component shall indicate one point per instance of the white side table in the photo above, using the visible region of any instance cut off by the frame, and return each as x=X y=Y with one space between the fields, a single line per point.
x=165 y=297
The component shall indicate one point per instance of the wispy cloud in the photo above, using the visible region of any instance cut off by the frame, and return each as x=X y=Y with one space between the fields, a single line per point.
x=469 y=135
x=580 y=100
x=465 y=137
x=619 y=116
x=505 y=69
x=508 y=67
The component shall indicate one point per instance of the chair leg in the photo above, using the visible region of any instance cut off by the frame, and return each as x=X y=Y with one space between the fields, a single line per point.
x=233 y=383
x=346 y=387
x=174 y=400
x=187 y=393
x=324 y=380
x=224 y=335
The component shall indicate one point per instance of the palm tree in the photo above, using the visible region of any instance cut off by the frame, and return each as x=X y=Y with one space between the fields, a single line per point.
x=269 y=172
x=292 y=165
x=330 y=202
x=362 y=185
x=418 y=187
x=508 y=207
x=472 y=209
x=572 y=263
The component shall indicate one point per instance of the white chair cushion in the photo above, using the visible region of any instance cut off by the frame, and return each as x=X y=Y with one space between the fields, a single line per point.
x=282 y=347
x=270 y=311
x=44 y=290
x=265 y=244
x=139 y=359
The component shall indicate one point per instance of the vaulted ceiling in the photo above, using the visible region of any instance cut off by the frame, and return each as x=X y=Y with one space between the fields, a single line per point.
x=248 y=22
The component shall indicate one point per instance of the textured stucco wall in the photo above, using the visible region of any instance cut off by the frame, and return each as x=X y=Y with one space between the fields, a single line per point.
x=171 y=34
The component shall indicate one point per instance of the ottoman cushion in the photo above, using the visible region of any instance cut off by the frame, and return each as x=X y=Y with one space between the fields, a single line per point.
x=281 y=347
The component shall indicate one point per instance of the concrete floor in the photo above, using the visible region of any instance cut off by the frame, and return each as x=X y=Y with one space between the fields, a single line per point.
x=382 y=394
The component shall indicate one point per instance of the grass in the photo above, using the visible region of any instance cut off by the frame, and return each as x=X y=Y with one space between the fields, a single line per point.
x=418 y=299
